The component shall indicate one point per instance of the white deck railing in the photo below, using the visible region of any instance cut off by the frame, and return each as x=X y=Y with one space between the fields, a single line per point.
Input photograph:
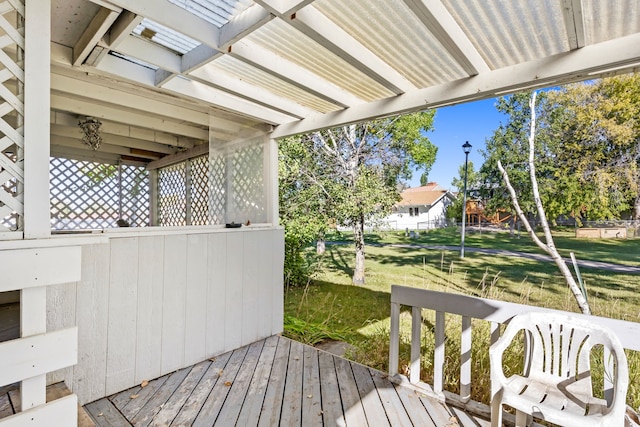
x=29 y=358
x=468 y=307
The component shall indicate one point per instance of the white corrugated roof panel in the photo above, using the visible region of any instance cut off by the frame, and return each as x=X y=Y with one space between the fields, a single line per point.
x=395 y=34
x=607 y=20
x=287 y=42
x=218 y=12
x=165 y=36
x=512 y=32
x=257 y=77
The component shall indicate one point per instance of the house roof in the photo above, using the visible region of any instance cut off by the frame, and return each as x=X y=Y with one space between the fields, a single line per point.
x=428 y=194
x=294 y=66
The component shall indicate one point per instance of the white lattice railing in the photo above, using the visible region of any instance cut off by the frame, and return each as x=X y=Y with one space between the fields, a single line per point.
x=12 y=104
x=28 y=358
x=468 y=308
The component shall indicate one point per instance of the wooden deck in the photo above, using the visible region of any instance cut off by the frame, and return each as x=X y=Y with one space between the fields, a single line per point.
x=275 y=381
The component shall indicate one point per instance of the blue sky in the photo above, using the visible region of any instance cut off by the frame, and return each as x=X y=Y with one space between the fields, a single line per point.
x=453 y=125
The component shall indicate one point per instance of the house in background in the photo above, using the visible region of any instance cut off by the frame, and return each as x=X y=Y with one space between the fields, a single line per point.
x=421 y=208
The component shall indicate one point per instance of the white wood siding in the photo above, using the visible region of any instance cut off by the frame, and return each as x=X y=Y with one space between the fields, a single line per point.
x=147 y=305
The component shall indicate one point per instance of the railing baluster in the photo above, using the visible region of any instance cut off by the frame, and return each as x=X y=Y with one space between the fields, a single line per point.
x=416 y=324
x=465 y=360
x=394 y=338
x=438 y=357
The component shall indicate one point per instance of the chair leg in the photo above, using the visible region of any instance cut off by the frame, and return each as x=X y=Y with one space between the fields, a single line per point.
x=522 y=419
x=496 y=413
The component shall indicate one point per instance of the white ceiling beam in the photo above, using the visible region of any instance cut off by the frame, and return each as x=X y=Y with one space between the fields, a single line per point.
x=73 y=86
x=63 y=141
x=250 y=92
x=122 y=28
x=118 y=114
x=437 y=19
x=242 y=25
x=589 y=62
x=292 y=73
x=151 y=53
x=174 y=17
x=226 y=101
x=237 y=28
x=140 y=144
x=98 y=27
x=83 y=154
x=574 y=22
x=126 y=131
x=321 y=29
x=283 y=7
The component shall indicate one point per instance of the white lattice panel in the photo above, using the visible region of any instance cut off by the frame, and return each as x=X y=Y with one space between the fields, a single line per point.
x=217 y=178
x=89 y=195
x=172 y=195
x=11 y=114
x=200 y=191
x=248 y=190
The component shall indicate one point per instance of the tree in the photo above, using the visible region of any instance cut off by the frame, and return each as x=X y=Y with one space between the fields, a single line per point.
x=598 y=132
x=304 y=192
x=548 y=246
x=356 y=171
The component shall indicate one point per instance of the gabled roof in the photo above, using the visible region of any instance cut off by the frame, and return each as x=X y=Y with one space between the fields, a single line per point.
x=429 y=194
x=300 y=65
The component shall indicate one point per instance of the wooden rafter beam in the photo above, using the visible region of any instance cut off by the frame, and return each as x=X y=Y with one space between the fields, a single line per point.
x=266 y=61
x=574 y=22
x=96 y=30
x=283 y=7
x=322 y=30
x=441 y=24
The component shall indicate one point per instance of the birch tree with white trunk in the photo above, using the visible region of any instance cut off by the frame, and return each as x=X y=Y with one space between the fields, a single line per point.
x=548 y=245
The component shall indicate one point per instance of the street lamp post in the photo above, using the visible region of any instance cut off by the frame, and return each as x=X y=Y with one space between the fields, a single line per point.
x=466 y=147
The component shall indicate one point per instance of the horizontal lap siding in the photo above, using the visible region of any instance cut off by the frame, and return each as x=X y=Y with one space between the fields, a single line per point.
x=149 y=305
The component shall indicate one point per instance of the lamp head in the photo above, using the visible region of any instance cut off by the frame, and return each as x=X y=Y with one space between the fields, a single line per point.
x=466 y=147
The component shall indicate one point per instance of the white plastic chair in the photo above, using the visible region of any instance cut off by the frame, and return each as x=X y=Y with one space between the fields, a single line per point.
x=556 y=384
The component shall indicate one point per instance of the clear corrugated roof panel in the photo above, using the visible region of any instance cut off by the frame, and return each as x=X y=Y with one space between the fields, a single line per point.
x=606 y=20
x=218 y=12
x=511 y=32
x=165 y=36
x=288 y=43
x=252 y=75
x=395 y=34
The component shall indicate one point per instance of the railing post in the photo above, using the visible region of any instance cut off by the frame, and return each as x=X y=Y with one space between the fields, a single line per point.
x=465 y=360
x=438 y=357
x=416 y=326
x=394 y=338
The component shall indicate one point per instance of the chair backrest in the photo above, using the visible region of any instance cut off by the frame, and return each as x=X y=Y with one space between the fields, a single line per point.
x=560 y=346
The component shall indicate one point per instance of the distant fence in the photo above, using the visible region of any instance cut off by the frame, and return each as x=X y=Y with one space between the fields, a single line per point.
x=632 y=226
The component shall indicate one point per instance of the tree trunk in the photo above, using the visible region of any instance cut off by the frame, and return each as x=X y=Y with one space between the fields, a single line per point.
x=320 y=244
x=358 y=239
x=549 y=247
x=636 y=209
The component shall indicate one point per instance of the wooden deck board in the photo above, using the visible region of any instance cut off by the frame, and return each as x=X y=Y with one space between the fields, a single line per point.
x=250 y=413
x=373 y=408
x=175 y=403
x=332 y=412
x=200 y=393
x=235 y=399
x=353 y=410
x=218 y=395
x=274 y=382
x=311 y=397
x=272 y=406
x=292 y=400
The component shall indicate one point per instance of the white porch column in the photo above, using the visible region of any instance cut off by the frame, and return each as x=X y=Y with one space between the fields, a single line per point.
x=271 y=181
x=37 y=88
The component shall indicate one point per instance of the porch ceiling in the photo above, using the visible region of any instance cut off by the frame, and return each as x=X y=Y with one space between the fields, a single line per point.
x=301 y=65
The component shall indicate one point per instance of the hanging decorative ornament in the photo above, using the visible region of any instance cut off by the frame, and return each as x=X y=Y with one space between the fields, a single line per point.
x=91 y=129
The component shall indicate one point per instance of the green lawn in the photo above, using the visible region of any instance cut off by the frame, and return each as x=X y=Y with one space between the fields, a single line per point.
x=360 y=314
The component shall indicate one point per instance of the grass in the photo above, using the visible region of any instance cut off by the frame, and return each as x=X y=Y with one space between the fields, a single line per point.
x=360 y=314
